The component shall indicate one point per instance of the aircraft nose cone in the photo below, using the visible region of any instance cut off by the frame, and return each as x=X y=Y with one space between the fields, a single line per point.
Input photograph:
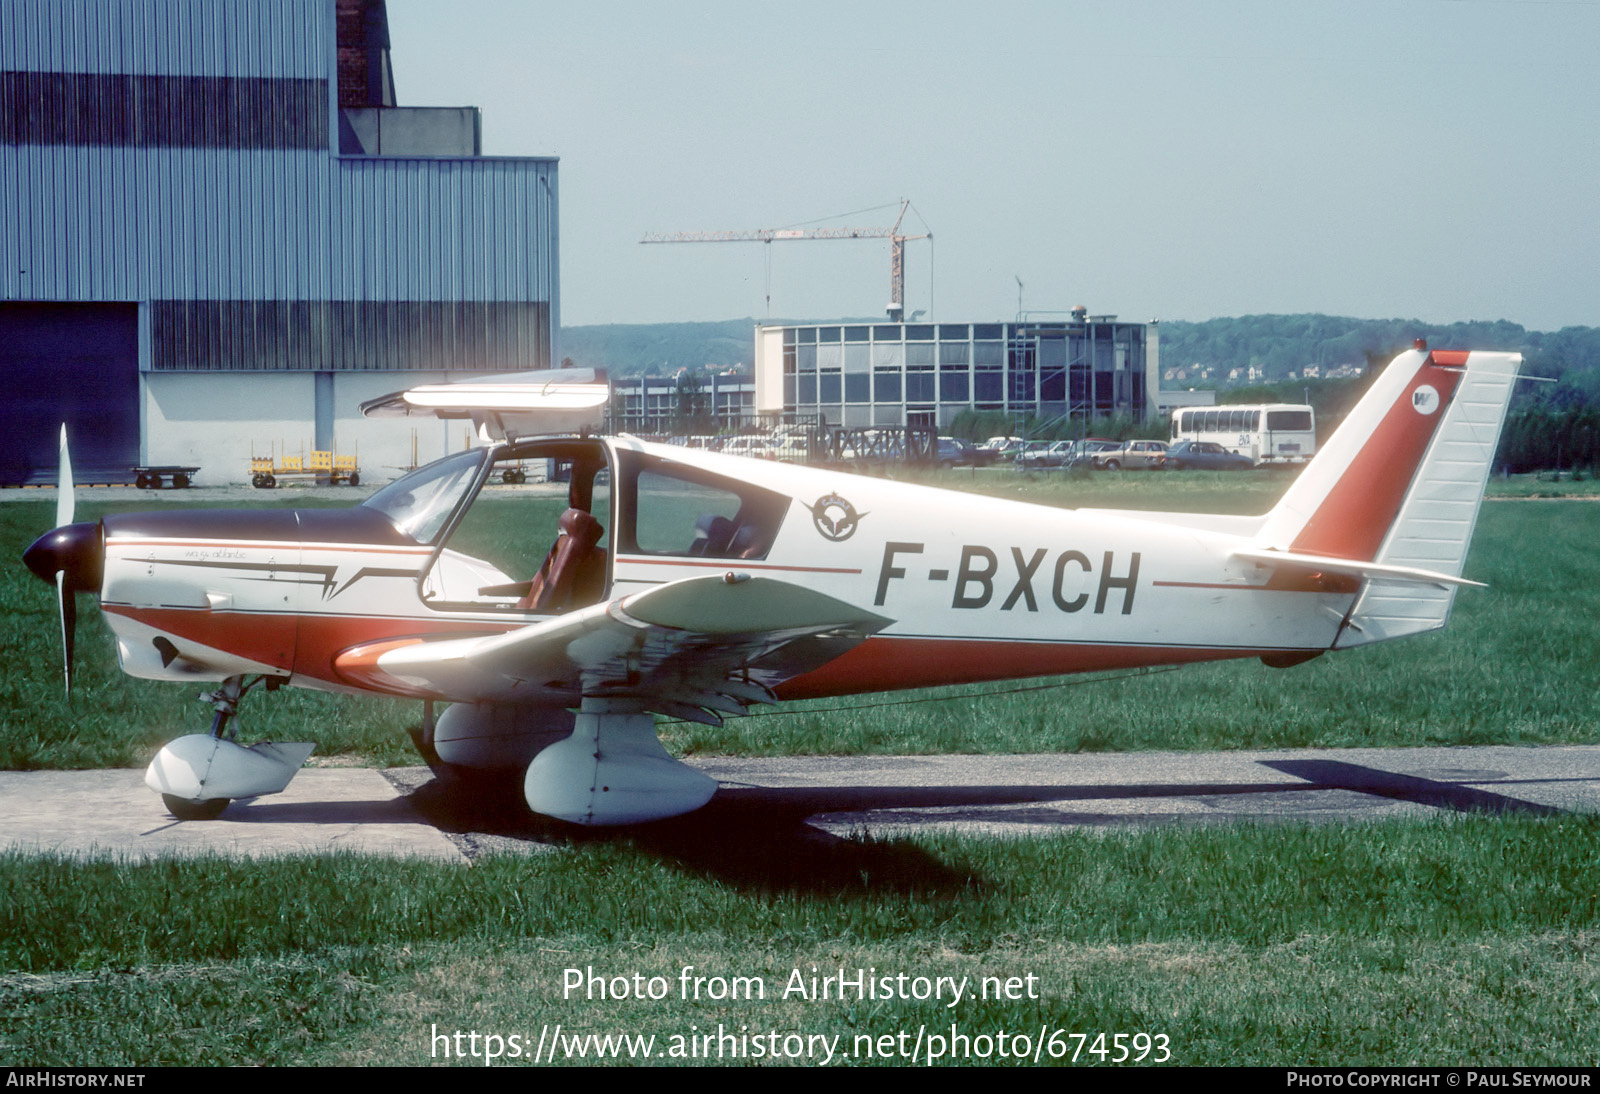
x=74 y=548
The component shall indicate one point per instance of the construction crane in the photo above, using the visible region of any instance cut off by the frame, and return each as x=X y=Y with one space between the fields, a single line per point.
x=897 y=248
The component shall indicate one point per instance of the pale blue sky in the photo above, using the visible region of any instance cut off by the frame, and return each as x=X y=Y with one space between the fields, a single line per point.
x=1436 y=159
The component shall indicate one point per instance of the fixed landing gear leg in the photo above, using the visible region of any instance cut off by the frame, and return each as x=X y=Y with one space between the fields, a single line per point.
x=198 y=775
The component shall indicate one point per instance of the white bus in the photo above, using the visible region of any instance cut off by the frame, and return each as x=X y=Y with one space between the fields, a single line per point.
x=1266 y=433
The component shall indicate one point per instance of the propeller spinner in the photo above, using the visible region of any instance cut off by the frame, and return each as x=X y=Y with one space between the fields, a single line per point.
x=70 y=557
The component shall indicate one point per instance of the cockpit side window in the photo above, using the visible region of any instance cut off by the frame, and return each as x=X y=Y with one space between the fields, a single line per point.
x=667 y=508
x=534 y=539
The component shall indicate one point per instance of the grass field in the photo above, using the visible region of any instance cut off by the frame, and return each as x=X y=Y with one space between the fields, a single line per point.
x=1471 y=939
x=1468 y=941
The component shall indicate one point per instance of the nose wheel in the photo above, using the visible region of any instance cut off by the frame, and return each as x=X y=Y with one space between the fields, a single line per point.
x=185 y=810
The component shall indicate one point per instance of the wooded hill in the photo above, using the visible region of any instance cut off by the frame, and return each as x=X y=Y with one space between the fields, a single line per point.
x=1275 y=344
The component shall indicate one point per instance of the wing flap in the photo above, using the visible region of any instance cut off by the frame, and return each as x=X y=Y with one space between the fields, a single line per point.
x=714 y=644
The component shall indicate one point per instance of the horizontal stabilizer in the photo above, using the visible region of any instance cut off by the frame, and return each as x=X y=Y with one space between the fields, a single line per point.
x=1367 y=571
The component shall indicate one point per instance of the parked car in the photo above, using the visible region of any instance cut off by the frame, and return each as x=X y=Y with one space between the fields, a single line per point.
x=1205 y=456
x=1134 y=455
x=1086 y=452
x=1030 y=454
x=1040 y=454
x=987 y=455
x=954 y=453
x=789 y=449
x=748 y=445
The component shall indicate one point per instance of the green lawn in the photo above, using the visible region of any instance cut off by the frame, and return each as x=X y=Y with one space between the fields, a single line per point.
x=1474 y=940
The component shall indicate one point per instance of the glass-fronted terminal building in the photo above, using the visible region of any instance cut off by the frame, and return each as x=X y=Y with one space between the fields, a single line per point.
x=893 y=374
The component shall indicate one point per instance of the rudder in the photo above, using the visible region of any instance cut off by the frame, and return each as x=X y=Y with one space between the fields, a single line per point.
x=1400 y=484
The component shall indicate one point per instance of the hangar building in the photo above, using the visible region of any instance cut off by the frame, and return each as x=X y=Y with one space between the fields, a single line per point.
x=895 y=374
x=220 y=233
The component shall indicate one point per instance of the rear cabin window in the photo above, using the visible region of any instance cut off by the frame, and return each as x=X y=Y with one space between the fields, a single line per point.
x=673 y=509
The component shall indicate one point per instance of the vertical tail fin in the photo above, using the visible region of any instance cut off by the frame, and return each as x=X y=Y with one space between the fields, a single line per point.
x=1400 y=484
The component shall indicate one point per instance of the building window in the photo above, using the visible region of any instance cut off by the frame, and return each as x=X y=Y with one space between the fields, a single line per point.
x=84 y=108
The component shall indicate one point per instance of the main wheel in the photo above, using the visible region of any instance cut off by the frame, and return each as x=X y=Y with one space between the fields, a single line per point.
x=186 y=810
x=353 y=480
x=269 y=481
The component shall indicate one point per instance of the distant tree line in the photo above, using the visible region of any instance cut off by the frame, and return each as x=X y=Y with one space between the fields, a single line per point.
x=1540 y=437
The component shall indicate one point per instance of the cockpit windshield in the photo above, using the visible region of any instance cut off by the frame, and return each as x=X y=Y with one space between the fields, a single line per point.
x=419 y=503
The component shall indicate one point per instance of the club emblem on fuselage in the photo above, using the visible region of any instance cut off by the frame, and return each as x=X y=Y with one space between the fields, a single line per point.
x=835 y=518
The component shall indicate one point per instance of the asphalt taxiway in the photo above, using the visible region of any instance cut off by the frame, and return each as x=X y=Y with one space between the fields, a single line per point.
x=405 y=812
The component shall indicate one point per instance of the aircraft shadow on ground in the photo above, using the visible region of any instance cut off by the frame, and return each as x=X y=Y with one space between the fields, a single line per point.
x=761 y=836
x=744 y=841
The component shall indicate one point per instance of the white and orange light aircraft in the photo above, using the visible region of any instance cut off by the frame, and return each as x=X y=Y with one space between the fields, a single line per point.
x=695 y=585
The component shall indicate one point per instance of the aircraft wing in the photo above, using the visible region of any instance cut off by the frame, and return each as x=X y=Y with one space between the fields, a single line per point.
x=689 y=649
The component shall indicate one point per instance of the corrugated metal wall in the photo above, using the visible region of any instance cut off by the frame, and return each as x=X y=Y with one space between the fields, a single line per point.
x=205 y=232
x=169 y=37
x=106 y=223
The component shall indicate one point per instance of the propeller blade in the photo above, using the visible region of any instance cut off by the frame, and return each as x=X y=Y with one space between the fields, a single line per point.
x=65 y=501
x=67 y=602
